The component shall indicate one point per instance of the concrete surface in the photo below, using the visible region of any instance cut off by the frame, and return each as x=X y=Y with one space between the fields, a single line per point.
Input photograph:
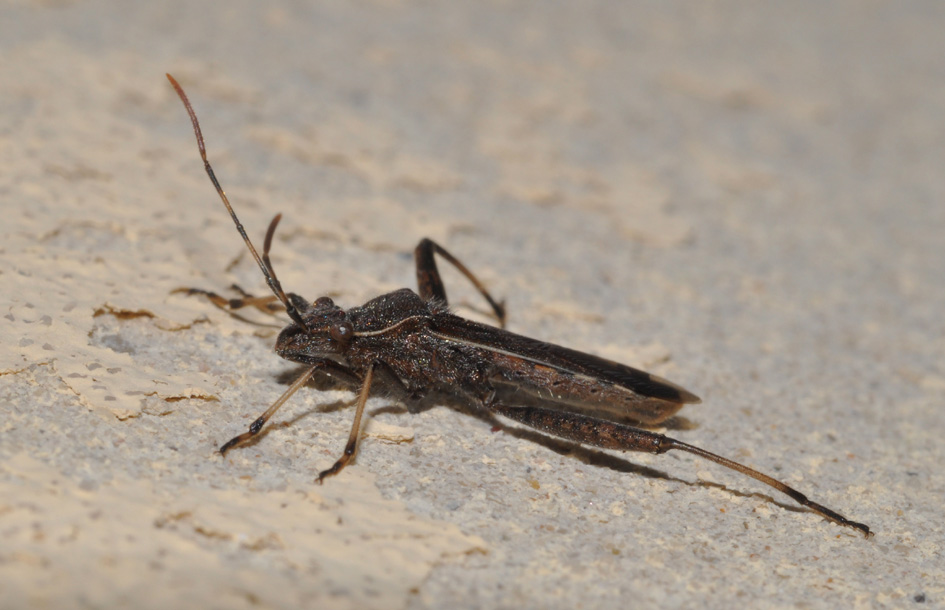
x=746 y=198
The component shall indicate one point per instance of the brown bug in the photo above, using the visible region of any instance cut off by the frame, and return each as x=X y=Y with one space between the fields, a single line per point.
x=414 y=342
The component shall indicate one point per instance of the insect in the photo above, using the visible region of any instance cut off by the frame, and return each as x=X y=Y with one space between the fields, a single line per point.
x=414 y=342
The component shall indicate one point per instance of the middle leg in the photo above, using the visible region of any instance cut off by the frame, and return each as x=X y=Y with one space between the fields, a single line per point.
x=431 y=284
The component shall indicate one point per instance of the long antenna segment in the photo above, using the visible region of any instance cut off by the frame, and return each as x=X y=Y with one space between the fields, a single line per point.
x=263 y=261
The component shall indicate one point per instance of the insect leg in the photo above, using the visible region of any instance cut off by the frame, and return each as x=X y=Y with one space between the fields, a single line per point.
x=265 y=304
x=609 y=435
x=329 y=366
x=351 y=446
x=431 y=284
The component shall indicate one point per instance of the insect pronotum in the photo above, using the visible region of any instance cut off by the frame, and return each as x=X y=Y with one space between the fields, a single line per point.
x=418 y=346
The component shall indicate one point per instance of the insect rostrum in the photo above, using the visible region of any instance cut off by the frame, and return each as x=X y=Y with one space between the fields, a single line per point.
x=412 y=340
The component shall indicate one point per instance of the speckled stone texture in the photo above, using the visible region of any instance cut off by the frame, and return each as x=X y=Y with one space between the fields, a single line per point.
x=745 y=198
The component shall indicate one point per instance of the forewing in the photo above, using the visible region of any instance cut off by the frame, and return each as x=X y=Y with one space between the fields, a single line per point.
x=527 y=371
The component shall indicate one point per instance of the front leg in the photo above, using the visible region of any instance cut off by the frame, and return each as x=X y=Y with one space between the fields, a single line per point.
x=268 y=304
x=351 y=447
x=386 y=374
x=431 y=285
x=328 y=366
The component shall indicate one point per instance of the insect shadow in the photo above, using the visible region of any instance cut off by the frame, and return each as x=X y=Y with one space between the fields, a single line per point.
x=590 y=456
x=411 y=342
x=587 y=455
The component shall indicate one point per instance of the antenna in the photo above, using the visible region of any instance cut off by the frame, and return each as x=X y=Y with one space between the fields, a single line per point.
x=263 y=262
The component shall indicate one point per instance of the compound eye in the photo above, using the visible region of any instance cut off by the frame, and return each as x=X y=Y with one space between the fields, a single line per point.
x=324 y=302
x=341 y=332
